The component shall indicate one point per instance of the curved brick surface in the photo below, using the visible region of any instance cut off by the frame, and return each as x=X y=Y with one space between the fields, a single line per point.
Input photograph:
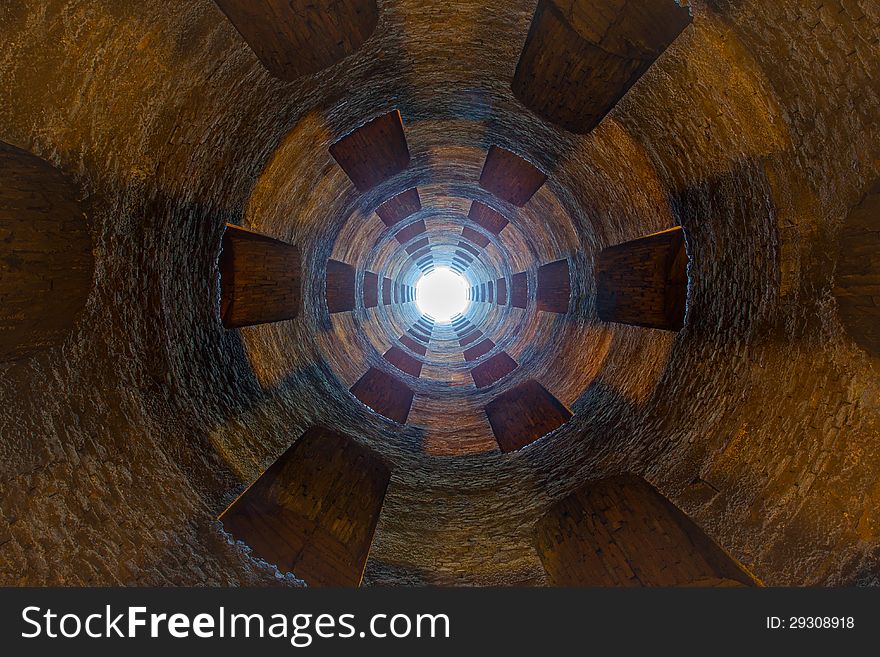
x=757 y=131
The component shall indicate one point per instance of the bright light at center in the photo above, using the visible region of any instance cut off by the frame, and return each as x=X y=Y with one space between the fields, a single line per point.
x=442 y=294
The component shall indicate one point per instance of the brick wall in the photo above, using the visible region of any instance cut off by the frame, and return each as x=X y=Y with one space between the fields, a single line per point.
x=554 y=287
x=510 y=177
x=857 y=278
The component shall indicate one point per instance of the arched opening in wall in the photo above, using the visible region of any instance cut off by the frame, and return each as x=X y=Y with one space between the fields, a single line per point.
x=857 y=278
x=46 y=260
x=442 y=294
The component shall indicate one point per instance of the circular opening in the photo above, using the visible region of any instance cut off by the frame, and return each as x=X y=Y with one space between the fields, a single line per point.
x=442 y=294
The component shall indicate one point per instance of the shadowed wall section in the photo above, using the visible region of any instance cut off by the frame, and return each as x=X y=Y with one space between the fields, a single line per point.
x=314 y=511
x=644 y=282
x=582 y=56
x=621 y=532
x=46 y=262
x=260 y=278
x=293 y=38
